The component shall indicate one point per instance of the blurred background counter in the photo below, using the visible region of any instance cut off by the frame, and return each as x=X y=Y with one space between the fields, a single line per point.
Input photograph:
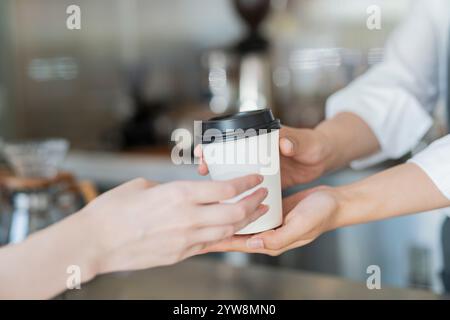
x=203 y=279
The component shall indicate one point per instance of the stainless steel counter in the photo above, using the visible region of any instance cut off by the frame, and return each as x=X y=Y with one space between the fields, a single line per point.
x=205 y=278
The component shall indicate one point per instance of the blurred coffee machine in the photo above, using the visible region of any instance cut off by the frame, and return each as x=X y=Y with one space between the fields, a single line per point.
x=233 y=78
x=253 y=52
x=239 y=76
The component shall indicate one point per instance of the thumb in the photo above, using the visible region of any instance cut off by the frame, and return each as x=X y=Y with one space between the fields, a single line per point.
x=289 y=143
x=280 y=238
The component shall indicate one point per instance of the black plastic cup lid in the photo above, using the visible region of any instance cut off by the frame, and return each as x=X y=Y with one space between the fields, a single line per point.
x=230 y=127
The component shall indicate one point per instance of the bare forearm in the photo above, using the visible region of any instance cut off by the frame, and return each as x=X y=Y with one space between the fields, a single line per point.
x=37 y=268
x=398 y=191
x=128 y=228
x=350 y=138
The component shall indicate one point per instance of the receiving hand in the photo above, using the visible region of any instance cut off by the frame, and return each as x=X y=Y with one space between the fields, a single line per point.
x=308 y=214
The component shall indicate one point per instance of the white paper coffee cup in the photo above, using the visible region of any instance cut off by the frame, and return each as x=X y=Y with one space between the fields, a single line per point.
x=247 y=143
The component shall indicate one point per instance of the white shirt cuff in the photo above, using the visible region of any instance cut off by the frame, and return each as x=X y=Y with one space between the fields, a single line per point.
x=435 y=161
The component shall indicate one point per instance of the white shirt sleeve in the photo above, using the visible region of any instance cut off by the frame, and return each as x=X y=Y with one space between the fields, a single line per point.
x=435 y=161
x=395 y=97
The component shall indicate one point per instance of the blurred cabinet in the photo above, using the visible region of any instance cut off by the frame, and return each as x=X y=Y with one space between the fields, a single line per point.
x=65 y=80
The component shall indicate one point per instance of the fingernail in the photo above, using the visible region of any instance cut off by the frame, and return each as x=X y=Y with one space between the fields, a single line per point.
x=255 y=243
x=262 y=208
x=260 y=178
x=265 y=191
x=287 y=145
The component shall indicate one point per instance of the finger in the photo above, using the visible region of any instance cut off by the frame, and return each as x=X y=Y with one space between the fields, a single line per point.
x=294 y=245
x=241 y=244
x=298 y=142
x=215 y=191
x=202 y=166
x=203 y=169
x=238 y=243
x=247 y=244
x=235 y=214
x=235 y=243
x=203 y=236
x=209 y=236
x=194 y=251
x=287 y=147
x=294 y=229
x=288 y=142
x=260 y=211
x=280 y=238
